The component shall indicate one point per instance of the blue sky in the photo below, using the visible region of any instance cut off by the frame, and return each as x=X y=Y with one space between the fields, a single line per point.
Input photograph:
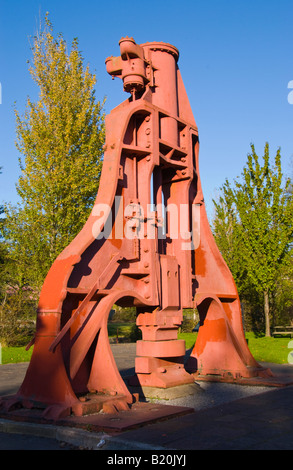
x=236 y=59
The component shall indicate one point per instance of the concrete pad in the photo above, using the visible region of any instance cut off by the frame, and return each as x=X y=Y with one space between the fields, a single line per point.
x=137 y=415
x=166 y=393
x=275 y=381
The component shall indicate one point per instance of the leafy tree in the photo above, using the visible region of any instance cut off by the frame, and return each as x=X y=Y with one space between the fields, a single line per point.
x=227 y=236
x=3 y=249
x=60 y=138
x=260 y=213
x=283 y=295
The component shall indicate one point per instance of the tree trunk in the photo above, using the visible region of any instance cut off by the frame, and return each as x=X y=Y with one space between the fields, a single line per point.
x=267 y=313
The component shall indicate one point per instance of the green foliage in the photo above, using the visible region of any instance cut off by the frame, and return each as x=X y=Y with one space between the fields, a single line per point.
x=187 y=324
x=226 y=233
x=265 y=215
x=17 y=309
x=124 y=314
x=253 y=226
x=2 y=222
x=123 y=332
x=135 y=334
x=282 y=296
x=60 y=138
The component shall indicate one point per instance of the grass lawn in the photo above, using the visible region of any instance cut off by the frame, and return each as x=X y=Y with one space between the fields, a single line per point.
x=120 y=329
x=15 y=354
x=268 y=349
x=262 y=348
x=19 y=354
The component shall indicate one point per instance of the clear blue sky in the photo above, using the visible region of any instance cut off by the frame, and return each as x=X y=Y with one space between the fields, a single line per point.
x=236 y=59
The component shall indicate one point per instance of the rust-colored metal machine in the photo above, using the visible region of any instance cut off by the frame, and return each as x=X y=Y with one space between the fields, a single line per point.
x=147 y=243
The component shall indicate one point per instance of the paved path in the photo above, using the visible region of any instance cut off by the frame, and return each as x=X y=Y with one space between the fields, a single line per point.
x=226 y=416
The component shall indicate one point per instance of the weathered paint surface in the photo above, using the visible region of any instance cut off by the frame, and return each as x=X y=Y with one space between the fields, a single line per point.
x=151 y=155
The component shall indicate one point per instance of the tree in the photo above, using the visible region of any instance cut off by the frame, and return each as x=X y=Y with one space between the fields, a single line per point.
x=60 y=138
x=260 y=211
x=226 y=234
x=2 y=244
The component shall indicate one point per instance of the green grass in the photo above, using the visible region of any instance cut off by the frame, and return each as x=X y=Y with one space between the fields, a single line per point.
x=16 y=354
x=263 y=349
x=19 y=354
x=268 y=349
x=123 y=329
x=189 y=338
